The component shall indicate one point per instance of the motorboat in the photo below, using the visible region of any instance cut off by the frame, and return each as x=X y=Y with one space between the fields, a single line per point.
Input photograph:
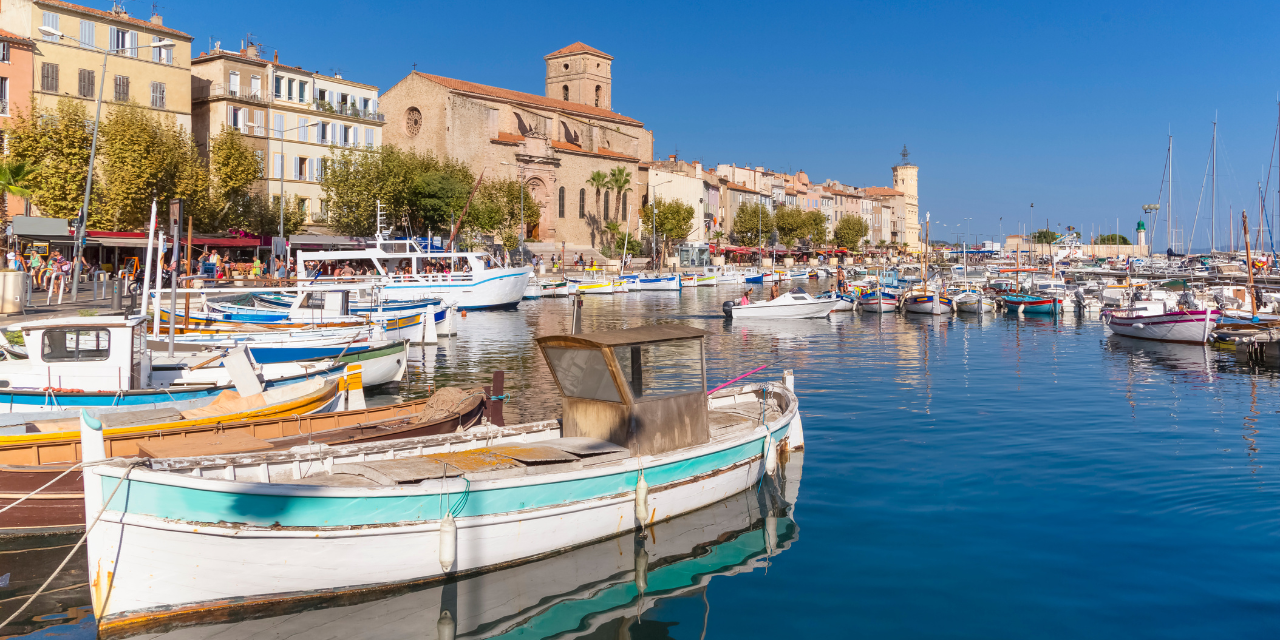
x=844 y=301
x=794 y=304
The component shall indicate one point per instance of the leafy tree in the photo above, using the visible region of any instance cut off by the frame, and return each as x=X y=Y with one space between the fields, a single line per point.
x=752 y=224
x=817 y=224
x=850 y=232
x=13 y=177
x=674 y=221
x=496 y=209
x=56 y=142
x=438 y=194
x=1044 y=236
x=619 y=182
x=791 y=223
x=234 y=168
x=1112 y=238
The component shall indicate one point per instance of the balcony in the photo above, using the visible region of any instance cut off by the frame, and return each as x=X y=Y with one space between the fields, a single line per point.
x=222 y=90
x=4 y=107
x=348 y=110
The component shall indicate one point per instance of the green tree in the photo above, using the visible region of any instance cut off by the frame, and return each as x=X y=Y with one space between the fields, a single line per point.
x=816 y=222
x=752 y=224
x=13 y=178
x=791 y=223
x=598 y=180
x=496 y=209
x=718 y=237
x=1112 y=238
x=613 y=235
x=56 y=142
x=233 y=167
x=850 y=232
x=1044 y=236
x=619 y=182
x=673 y=220
x=438 y=194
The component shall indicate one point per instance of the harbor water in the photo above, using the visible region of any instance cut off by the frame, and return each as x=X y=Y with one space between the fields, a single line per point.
x=963 y=477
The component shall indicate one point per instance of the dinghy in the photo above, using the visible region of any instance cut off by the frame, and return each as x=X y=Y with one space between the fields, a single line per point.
x=641 y=443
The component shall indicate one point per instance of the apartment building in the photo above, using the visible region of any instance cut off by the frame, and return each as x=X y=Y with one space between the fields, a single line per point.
x=688 y=182
x=292 y=118
x=69 y=65
x=15 y=85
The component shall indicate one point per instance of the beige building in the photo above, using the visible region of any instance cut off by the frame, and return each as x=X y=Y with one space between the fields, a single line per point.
x=292 y=118
x=905 y=178
x=154 y=78
x=551 y=142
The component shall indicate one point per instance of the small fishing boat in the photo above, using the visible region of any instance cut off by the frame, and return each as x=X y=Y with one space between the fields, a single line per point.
x=763 y=277
x=844 y=301
x=795 y=304
x=705 y=279
x=598 y=283
x=554 y=288
x=382 y=361
x=658 y=283
x=688 y=281
x=642 y=442
x=1151 y=320
x=1027 y=303
x=533 y=290
x=927 y=302
x=973 y=302
x=878 y=301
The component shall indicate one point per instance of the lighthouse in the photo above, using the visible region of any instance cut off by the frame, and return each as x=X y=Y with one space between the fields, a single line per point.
x=1142 y=234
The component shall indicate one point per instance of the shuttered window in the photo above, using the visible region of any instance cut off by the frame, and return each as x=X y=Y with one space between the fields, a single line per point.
x=157 y=95
x=50 y=20
x=86 y=33
x=561 y=202
x=368 y=137
x=133 y=44
x=277 y=123
x=49 y=77
x=85 y=87
x=355 y=136
x=606 y=205
x=277 y=165
x=582 y=203
x=623 y=214
x=302 y=129
x=122 y=89
x=156 y=51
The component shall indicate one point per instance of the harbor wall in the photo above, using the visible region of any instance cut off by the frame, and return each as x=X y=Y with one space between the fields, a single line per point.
x=1099 y=250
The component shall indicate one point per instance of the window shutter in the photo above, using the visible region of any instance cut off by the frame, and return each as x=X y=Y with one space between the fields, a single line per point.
x=368 y=137
x=111 y=38
x=86 y=34
x=302 y=129
x=133 y=43
x=355 y=136
x=231 y=111
x=276 y=164
x=155 y=51
x=50 y=20
x=374 y=108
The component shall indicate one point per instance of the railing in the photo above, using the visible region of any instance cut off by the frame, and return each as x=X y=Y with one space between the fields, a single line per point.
x=223 y=90
x=4 y=107
x=348 y=110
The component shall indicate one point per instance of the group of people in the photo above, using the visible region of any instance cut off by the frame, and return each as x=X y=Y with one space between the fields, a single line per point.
x=47 y=273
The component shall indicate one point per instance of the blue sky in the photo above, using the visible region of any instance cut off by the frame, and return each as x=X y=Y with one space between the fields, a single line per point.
x=1002 y=104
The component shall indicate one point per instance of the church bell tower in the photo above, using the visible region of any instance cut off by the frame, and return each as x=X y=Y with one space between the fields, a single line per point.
x=579 y=73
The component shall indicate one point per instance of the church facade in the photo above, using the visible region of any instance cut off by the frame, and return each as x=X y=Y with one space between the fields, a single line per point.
x=551 y=142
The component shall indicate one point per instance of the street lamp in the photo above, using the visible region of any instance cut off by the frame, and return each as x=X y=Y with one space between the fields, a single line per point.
x=653 y=202
x=81 y=221
x=965 y=247
x=280 y=133
x=520 y=178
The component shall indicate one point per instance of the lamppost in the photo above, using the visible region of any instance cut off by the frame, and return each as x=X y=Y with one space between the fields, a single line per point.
x=965 y=245
x=82 y=220
x=653 y=202
x=520 y=178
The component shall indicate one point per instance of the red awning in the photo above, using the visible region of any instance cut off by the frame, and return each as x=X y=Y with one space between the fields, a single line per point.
x=223 y=242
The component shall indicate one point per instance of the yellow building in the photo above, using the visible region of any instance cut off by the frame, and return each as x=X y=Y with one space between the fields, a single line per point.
x=151 y=77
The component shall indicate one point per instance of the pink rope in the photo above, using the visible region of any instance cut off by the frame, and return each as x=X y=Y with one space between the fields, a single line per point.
x=738 y=378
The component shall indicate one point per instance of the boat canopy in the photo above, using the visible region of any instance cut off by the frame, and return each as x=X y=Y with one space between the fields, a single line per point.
x=643 y=388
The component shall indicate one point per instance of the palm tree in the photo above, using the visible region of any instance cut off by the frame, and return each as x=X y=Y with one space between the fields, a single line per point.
x=598 y=180
x=12 y=176
x=612 y=230
x=619 y=182
x=717 y=236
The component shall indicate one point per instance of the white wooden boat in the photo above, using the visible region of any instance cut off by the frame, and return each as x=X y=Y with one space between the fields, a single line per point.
x=974 y=302
x=794 y=304
x=706 y=280
x=844 y=301
x=554 y=288
x=1150 y=320
x=878 y=302
x=533 y=290
x=658 y=283
x=927 y=302
x=688 y=280
x=642 y=444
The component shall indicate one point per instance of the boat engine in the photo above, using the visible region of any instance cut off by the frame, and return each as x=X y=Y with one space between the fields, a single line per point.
x=728 y=308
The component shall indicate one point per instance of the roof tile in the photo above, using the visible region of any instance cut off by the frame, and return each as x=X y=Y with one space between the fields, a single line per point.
x=112 y=16
x=528 y=98
x=577 y=47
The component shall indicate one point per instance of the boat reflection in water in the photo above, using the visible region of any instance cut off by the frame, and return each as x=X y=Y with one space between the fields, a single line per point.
x=598 y=590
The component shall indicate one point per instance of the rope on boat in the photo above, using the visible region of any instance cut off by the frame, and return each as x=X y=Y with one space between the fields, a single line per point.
x=74 y=549
x=46 y=486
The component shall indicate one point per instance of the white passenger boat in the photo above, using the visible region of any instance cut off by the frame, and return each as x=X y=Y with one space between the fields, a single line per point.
x=642 y=443
x=471 y=282
x=1151 y=320
x=794 y=304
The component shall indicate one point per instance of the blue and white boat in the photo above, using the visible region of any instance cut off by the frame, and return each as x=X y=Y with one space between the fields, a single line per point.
x=403 y=270
x=658 y=283
x=641 y=443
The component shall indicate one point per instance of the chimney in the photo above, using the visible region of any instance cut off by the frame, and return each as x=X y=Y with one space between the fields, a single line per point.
x=672 y=157
x=697 y=169
x=276 y=58
x=157 y=20
x=759 y=168
x=253 y=51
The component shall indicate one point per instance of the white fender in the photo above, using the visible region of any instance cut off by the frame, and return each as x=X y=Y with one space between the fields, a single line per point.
x=642 y=500
x=448 y=542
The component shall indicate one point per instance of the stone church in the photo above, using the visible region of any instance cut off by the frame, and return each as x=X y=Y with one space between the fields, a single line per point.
x=552 y=142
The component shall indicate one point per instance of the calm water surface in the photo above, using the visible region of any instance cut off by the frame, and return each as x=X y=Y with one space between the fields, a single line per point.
x=962 y=479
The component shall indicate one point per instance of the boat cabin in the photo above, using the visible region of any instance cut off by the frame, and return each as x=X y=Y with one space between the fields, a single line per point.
x=643 y=388
x=107 y=353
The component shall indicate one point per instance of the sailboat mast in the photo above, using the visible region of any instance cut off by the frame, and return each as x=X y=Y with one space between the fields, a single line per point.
x=1168 y=218
x=1213 y=191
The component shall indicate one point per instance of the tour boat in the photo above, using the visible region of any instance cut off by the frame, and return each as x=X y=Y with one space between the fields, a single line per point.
x=1024 y=303
x=1150 y=320
x=471 y=283
x=878 y=301
x=642 y=442
x=930 y=303
x=794 y=304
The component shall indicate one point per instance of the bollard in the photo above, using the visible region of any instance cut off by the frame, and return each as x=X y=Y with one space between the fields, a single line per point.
x=116 y=295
